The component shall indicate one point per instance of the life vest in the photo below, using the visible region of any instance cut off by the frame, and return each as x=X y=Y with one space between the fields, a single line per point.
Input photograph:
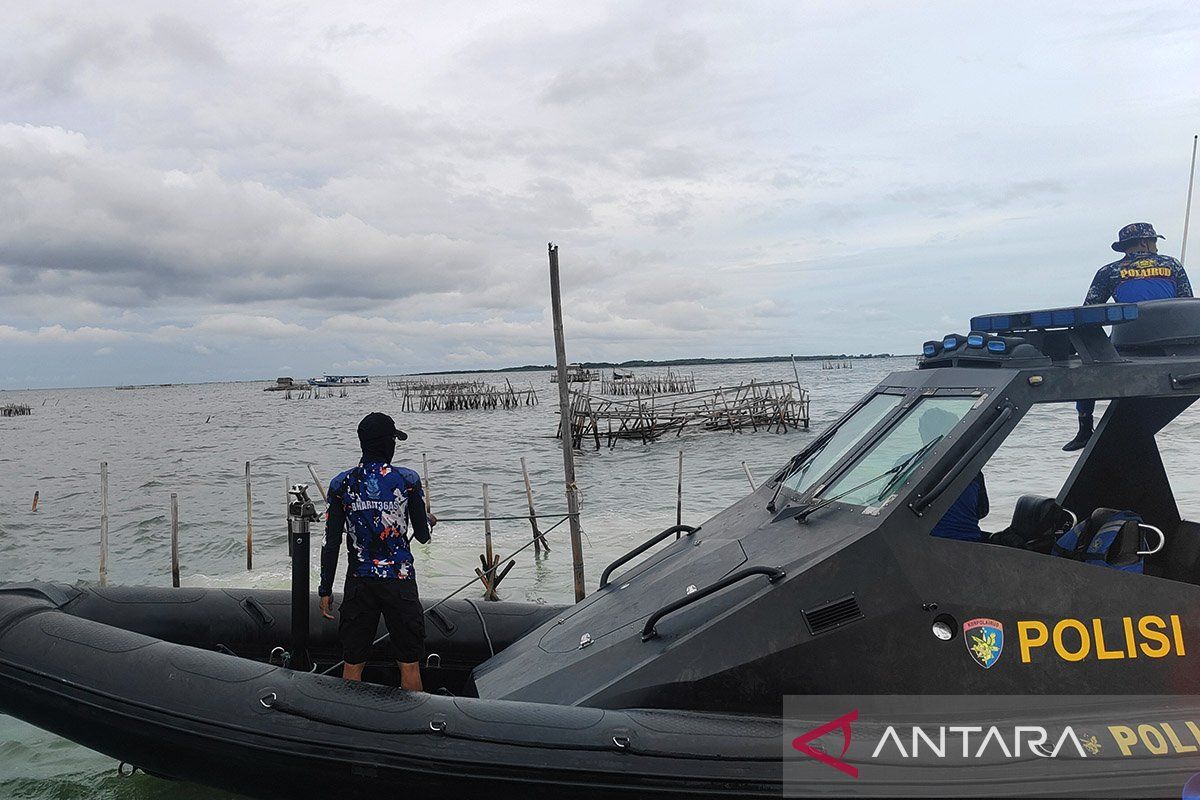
x=1107 y=538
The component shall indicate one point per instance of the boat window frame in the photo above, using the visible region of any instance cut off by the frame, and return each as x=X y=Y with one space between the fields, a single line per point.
x=912 y=396
x=945 y=443
x=790 y=494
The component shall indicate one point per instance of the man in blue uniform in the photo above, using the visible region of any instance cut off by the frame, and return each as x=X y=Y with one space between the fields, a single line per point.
x=961 y=520
x=376 y=504
x=1142 y=274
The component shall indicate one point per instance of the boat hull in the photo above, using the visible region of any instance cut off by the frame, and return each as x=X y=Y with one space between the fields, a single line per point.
x=199 y=715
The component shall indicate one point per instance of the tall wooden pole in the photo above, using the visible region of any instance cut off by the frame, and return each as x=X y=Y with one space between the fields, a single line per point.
x=319 y=483
x=679 y=494
x=249 y=523
x=749 y=477
x=1187 y=212
x=487 y=526
x=103 y=523
x=564 y=413
x=175 y=540
x=425 y=475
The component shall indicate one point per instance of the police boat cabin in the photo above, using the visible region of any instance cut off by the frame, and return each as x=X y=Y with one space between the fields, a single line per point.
x=876 y=541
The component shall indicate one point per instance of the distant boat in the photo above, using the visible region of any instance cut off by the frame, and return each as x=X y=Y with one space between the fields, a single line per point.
x=339 y=380
x=622 y=374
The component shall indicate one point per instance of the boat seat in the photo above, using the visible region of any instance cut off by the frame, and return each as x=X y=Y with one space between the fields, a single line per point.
x=1036 y=523
x=1107 y=538
x=1180 y=557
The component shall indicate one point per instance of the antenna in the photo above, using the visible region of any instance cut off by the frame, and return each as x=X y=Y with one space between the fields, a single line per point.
x=1187 y=213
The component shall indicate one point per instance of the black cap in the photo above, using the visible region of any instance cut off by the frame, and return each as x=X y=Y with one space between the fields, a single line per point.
x=376 y=426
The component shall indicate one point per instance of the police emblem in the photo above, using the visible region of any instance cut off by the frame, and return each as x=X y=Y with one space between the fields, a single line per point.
x=984 y=639
x=373 y=487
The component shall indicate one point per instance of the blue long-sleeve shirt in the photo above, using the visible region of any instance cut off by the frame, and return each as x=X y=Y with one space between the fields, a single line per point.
x=374 y=504
x=1138 y=277
x=961 y=520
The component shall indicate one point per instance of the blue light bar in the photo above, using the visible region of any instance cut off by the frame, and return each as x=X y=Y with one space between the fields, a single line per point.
x=950 y=342
x=975 y=340
x=1057 y=318
x=997 y=346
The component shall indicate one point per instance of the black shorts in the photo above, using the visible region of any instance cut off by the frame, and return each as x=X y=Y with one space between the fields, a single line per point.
x=364 y=600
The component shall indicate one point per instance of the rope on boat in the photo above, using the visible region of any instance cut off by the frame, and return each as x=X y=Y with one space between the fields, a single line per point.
x=524 y=517
x=482 y=624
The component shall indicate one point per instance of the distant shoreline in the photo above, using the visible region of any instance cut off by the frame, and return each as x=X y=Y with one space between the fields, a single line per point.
x=639 y=363
x=672 y=362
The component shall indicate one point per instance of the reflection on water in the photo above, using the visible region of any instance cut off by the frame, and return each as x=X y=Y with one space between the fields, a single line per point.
x=194 y=440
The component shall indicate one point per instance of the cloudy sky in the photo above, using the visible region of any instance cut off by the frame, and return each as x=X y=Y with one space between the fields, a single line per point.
x=213 y=190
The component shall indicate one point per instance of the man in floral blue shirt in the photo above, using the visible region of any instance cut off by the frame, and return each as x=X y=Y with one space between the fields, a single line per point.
x=376 y=505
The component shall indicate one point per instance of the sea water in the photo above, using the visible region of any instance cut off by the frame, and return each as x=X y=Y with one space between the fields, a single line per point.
x=194 y=441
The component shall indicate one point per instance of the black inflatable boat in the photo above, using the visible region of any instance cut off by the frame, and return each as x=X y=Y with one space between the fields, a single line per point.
x=669 y=680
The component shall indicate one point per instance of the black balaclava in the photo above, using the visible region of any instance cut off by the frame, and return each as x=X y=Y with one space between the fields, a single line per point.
x=377 y=434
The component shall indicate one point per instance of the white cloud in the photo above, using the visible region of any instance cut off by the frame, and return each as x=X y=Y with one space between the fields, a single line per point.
x=57 y=334
x=216 y=185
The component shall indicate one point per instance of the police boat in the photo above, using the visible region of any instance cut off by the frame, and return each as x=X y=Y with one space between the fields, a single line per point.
x=668 y=679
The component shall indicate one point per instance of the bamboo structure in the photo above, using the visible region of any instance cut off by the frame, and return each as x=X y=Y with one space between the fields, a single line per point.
x=312 y=393
x=767 y=405
x=842 y=364
x=645 y=385
x=462 y=396
x=15 y=410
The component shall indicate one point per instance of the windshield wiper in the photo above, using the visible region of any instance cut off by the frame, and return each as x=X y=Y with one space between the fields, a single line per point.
x=792 y=468
x=904 y=466
x=896 y=471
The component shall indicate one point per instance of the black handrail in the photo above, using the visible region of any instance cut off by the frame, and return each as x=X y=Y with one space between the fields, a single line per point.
x=773 y=574
x=637 y=551
x=921 y=503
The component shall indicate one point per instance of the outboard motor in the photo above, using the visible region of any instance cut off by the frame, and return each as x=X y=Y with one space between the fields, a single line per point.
x=1107 y=538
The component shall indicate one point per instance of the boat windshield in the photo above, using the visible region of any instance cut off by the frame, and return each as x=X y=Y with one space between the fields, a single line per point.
x=821 y=460
x=900 y=452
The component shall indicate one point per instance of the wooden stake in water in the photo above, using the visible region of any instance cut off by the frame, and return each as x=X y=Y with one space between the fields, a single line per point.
x=487 y=526
x=320 y=485
x=249 y=522
x=679 y=494
x=35 y=500
x=564 y=413
x=749 y=477
x=425 y=478
x=539 y=542
x=488 y=559
x=1187 y=212
x=103 y=523
x=175 y=540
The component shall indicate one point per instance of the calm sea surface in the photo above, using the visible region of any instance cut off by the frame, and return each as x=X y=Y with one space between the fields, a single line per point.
x=194 y=441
